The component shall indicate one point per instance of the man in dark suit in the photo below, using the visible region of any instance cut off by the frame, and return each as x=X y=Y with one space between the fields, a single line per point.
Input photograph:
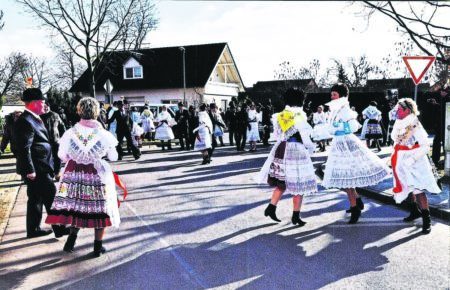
x=35 y=163
x=241 y=127
x=123 y=129
x=182 y=119
x=215 y=122
x=230 y=119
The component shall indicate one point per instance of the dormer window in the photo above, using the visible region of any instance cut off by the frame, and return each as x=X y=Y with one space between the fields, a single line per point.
x=132 y=70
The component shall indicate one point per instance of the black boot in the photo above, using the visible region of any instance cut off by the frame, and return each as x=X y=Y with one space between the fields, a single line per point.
x=426 y=221
x=270 y=211
x=359 y=203
x=356 y=213
x=414 y=213
x=296 y=220
x=98 y=248
x=205 y=159
x=70 y=243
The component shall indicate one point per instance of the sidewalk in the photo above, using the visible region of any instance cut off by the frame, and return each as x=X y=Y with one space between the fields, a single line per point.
x=11 y=185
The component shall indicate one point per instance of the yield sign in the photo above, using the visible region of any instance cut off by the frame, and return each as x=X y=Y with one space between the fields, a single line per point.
x=418 y=66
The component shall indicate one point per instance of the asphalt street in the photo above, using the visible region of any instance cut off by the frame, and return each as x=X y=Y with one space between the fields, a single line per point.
x=191 y=226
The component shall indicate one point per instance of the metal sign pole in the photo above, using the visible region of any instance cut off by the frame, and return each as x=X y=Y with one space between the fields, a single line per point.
x=415 y=94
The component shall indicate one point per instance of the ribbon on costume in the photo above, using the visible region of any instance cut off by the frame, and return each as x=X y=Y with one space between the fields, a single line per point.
x=398 y=186
x=120 y=184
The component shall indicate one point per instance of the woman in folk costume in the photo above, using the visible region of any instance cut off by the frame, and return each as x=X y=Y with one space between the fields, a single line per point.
x=86 y=195
x=372 y=128
x=350 y=163
x=164 y=128
x=147 y=123
x=410 y=164
x=253 y=131
x=203 y=134
x=289 y=166
x=320 y=133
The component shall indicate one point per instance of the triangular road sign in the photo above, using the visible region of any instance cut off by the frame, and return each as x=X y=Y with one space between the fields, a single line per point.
x=418 y=66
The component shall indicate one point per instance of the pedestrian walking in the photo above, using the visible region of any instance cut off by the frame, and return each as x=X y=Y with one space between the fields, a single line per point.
x=164 y=128
x=35 y=163
x=372 y=128
x=267 y=122
x=112 y=126
x=253 y=131
x=86 y=195
x=350 y=163
x=203 y=134
x=288 y=167
x=56 y=129
x=411 y=166
x=193 y=123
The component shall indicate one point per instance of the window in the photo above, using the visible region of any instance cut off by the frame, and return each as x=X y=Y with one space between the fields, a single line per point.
x=133 y=72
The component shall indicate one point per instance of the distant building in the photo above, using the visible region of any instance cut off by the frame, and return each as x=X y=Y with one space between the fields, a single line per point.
x=156 y=75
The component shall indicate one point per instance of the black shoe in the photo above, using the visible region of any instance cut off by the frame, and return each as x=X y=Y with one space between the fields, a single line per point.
x=136 y=157
x=426 y=221
x=39 y=233
x=414 y=213
x=62 y=231
x=205 y=160
x=296 y=220
x=359 y=203
x=270 y=211
x=356 y=213
x=70 y=243
x=98 y=248
x=120 y=157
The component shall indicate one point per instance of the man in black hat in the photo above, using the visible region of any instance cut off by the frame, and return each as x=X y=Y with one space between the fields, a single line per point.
x=123 y=130
x=182 y=119
x=35 y=163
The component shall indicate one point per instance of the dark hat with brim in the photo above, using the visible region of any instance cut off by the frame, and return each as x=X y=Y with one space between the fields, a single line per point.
x=32 y=94
x=212 y=106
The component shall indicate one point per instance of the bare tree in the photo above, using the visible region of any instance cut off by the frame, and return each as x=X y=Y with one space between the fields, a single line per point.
x=69 y=67
x=2 y=23
x=90 y=28
x=11 y=73
x=360 y=70
x=426 y=23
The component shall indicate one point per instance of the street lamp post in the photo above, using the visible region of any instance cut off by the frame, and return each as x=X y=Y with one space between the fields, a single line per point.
x=184 y=75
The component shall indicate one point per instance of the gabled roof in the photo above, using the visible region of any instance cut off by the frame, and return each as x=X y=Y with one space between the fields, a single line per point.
x=162 y=68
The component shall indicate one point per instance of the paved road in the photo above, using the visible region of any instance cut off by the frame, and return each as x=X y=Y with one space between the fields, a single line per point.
x=188 y=226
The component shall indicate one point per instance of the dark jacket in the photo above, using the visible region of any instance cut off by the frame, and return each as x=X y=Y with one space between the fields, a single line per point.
x=124 y=121
x=182 y=119
x=33 y=148
x=231 y=119
x=54 y=125
x=242 y=121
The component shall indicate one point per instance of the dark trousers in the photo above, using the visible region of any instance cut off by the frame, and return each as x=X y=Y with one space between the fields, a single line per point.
x=241 y=139
x=130 y=144
x=436 y=149
x=213 y=146
x=183 y=134
x=41 y=192
x=231 y=135
x=266 y=135
x=56 y=160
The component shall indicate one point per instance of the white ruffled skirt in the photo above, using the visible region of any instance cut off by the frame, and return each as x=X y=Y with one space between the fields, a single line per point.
x=253 y=133
x=351 y=164
x=164 y=132
x=205 y=139
x=320 y=132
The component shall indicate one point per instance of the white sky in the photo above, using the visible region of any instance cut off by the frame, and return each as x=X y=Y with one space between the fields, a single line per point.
x=261 y=34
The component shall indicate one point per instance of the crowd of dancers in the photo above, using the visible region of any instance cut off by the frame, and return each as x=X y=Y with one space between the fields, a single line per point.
x=86 y=196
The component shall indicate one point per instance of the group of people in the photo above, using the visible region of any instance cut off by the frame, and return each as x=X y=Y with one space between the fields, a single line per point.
x=86 y=196
x=350 y=162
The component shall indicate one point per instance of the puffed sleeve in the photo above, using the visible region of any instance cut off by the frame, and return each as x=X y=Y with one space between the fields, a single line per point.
x=421 y=137
x=110 y=142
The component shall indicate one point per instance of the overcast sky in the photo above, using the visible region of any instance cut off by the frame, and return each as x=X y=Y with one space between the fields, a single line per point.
x=261 y=34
